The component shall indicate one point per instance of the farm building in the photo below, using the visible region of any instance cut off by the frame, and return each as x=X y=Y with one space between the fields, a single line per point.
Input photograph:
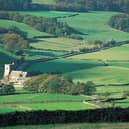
x=14 y=76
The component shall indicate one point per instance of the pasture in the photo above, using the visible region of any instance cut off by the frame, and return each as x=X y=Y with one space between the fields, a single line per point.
x=74 y=126
x=113 y=54
x=48 y=14
x=94 y=26
x=40 y=101
x=29 y=30
x=50 y=2
x=84 y=70
x=33 y=54
x=58 y=44
x=6 y=57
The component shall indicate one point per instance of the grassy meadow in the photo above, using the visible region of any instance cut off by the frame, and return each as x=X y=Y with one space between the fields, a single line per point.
x=94 y=26
x=37 y=101
x=84 y=70
x=50 y=2
x=29 y=30
x=48 y=14
x=113 y=54
x=58 y=44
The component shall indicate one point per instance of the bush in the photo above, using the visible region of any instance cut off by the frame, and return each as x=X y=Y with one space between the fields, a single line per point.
x=6 y=89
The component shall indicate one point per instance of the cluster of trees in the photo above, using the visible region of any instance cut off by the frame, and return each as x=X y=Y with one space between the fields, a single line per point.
x=13 y=39
x=49 y=25
x=98 y=45
x=58 y=84
x=6 y=89
x=108 y=5
x=15 y=4
x=120 y=21
x=56 y=117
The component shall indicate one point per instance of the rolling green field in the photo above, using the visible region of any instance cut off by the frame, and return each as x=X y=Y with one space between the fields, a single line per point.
x=6 y=57
x=113 y=54
x=84 y=70
x=94 y=26
x=51 y=2
x=74 y=126
x=28 y=102
x=48 y=14
x=33 y=54
x=63 y=65
x=30 y=30
x=59 y=44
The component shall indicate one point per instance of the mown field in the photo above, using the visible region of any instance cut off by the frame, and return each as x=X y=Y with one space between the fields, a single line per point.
x=58 y=44
x=28 y=102
x=74 y=126
x=51 y=2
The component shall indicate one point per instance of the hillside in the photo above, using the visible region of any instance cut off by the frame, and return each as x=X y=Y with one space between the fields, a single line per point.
x=75 y=53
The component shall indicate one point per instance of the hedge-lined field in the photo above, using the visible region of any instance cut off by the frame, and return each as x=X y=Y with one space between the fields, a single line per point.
x=60 y=44
x=84 y=70
x=113 y=54
x=51 y=2
x=48 y=14
x=40 y=101
x=30 y=30
x=94 y=25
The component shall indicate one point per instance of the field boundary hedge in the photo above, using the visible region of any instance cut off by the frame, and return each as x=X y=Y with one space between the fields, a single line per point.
x=56 y=117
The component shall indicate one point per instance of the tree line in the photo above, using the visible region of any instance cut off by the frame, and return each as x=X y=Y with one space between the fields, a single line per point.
x=105 y=5
x=15 y=4
x=48 y=83
x=67 y=5
x=56 y=117
x=48 y=25
x=120 y=22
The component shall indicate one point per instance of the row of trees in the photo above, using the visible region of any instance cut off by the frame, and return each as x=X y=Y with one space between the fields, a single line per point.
x=49 y=25
x=110 y=5
x=15 y=4
x=120 y=21
x=67 y=5
x=58 y=84
x=98 y=45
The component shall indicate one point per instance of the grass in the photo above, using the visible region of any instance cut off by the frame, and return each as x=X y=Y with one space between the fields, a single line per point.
x=94 y=25
x=48 y=14
x=32 y=54
x=6 y=108
x=60 y=44
x=84 y=70
x=122 y=103
x=74 y=126
x=50 y=2
x=38 y=97
x=30 y=30
x=101 y=75
x=112 y=89
x=28 y=102
x=113 y=54
x=6 y=57
x=63 y=65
